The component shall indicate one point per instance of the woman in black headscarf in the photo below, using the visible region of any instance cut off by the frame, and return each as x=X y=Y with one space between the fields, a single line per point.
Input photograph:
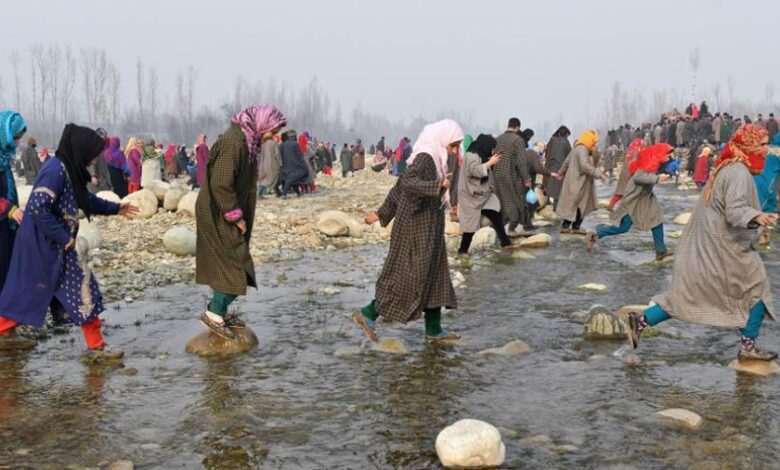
x=557 y=150
x=475 y=193
x=49 y=265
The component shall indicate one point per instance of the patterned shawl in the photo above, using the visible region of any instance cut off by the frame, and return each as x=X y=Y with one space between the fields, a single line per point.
x=748 y=146
x=255 y=121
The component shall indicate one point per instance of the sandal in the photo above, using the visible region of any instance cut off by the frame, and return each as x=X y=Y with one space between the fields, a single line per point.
x=367 y=325
x=220 y=329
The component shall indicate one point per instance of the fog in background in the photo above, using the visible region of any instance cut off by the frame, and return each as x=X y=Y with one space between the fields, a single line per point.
x=345 y=69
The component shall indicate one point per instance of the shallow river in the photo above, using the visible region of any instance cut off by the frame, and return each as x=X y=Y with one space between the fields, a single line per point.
x=293 y=403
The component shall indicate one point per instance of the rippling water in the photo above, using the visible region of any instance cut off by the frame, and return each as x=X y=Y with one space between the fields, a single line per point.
x=293 y=403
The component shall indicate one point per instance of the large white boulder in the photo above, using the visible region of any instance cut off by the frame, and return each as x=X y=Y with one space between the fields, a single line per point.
x=470 y=443
x=187 y=204
x=171 y=199
x=159 y=188
x=484 y=238
x=145 y=201
x=334 y=224
x=109 y=196
x=180 y=241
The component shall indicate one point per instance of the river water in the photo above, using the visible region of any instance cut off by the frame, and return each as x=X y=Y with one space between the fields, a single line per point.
x=294 y=403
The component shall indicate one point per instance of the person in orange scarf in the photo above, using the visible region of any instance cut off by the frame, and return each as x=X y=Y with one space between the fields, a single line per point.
x=631 y=154
x=719 y=278
x=639 y=206
x=578 y=192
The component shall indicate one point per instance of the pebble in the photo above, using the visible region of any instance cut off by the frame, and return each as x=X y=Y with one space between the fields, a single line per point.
x=122 y=465
x=470 y=443
x=593 y=287
x=682 y=416
x=512 y=348
x=348 y=351
x=389 y=345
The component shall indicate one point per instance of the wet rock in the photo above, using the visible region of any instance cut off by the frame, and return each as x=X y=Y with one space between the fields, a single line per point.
x=512 y=348
x=683 y=219
x=452 y=228
x=171 y=199
x=109 y=196
x=593 y=287
x=389 y=345
x=543 y=223
x=208 y=344
x=674 y=234
x=548 y=213
x=522 y=254
x=762 y=368
x=684 y=417
x=470 y=443
x=333 y=224
x=122 y=465
x=355 y=228
x=91 y=233
x=540 y=240
x=631 y=359
x=146 y=202
x=187 y=204
x=180 y=241
x=565 y=449
x=348 y=351
x=458 y=279
x=484 y=238
x=129 y=372
x=603 y=324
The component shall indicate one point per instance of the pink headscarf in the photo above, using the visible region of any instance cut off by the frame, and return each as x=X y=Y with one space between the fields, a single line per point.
x=434 y=140
x=255 y=121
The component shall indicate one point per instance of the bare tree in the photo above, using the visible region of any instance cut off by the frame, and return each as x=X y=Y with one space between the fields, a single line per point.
x=16 y=61
x=731 y=84
x=716 y=94
x=140 y=90
x=769 y=94
x=152 y=99
x=68 y=84
x=113 y=93
x=695 y=61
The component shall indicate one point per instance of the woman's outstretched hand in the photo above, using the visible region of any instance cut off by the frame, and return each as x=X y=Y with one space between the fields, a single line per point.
x=128 y=210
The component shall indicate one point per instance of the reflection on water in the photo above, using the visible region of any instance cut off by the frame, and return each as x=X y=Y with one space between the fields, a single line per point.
x=292 y=403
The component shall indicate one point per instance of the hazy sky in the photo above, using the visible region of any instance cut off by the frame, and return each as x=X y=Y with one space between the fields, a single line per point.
x=535 y=59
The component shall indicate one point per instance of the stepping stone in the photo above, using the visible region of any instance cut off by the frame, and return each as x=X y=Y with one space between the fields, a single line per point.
x=762 y=368
x=512 y=348
x=683 y=218
x=684 y=417
x=593 y=287
x=208 y=344
x=603 y=324
x=389 y=345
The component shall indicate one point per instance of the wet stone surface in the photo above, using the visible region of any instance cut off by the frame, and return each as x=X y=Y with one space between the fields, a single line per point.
x=313 y=395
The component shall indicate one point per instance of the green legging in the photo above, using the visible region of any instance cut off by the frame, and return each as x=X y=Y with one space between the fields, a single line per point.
x=220 y=302
x=432 y=318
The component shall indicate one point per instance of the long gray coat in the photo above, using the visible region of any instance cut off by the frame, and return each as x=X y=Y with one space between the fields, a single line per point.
x=509 y=175
x=415 y=275
x=579 y=186
x=557 y=151
x=31 y=164
x=474 y=194
x=718 y=274
x=640 y=202
x=270 y=164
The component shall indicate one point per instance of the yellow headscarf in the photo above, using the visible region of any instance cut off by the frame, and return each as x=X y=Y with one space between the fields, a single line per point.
x=588 y=138
x=130 y=146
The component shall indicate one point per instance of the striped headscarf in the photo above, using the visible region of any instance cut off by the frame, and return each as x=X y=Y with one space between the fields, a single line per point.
x=255 y=121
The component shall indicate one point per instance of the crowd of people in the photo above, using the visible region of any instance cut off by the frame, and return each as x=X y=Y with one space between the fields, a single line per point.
x=445 y=173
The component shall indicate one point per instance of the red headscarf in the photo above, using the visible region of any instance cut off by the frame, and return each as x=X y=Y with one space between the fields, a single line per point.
x=746 y=147
x=651 y=158
x=303 y=143
x=633 y=150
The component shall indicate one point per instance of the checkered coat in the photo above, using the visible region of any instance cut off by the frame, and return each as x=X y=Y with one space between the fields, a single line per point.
x=223 y=258
x=415 y=275
x=509 y=175
x=718 y=274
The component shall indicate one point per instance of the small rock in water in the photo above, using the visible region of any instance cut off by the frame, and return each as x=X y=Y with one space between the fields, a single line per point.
x=484 y=238
x=685 y=417
x=348 y=351
x=540 y=240
x=603 y=324
x=389 y=345
x=329 y=291
x=470 y=443
x=683 y=218
x=674 y=234
x=522 y=254
x=762 y=368
x=122 y=465
x=511 y=348
x=208 y=344
x=593 y=287
x=631 y=359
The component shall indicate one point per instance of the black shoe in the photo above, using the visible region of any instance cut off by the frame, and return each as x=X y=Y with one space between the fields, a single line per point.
x=219 y=329
x=633 y=330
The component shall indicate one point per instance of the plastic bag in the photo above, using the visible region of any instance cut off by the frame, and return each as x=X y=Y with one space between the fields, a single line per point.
x=530 y=197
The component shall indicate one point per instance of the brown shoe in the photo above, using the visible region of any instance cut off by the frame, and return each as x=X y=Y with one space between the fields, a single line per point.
x=663 y=256
x=590 y=241
x=364 y=325
x=220 y=329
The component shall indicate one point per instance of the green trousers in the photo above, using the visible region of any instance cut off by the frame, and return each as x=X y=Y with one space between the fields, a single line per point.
x=220 y=302
x=432 y=318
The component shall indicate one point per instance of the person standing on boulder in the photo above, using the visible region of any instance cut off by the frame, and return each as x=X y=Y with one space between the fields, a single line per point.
x=639 y=207
x=415 y=278
x=225 y=213
x=719 y=278
x=49 y=267
x=578 y=193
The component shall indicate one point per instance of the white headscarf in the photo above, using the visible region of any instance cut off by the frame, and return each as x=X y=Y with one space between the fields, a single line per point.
x=434 y=140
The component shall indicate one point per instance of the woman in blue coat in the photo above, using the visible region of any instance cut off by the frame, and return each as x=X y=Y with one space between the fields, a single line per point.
x=12 y=128
x=46 y=270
